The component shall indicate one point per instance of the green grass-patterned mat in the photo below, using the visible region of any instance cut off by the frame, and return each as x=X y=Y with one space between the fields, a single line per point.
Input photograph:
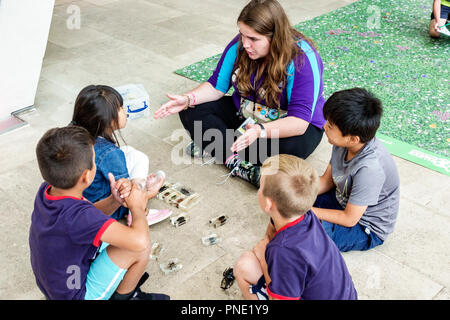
x=383 y=45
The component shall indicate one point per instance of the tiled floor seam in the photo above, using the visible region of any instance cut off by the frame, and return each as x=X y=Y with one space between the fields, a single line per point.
x=440 y=291
x=206 y=266
x=424 y=206
x=413 y=269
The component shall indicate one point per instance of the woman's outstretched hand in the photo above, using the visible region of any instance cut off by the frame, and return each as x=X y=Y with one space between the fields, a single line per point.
x=174 y=105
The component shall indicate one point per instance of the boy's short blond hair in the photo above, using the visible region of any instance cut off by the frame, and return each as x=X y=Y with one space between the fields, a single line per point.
x=291 y=182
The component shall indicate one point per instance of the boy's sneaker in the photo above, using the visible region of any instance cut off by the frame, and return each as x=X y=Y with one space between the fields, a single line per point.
x=243 y=169
x=140 y=295
x=153 y=216
x=444 y=30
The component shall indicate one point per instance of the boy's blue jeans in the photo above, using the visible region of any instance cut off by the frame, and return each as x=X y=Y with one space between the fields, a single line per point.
x=357 y=237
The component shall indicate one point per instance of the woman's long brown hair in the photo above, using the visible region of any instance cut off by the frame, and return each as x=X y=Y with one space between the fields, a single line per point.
x=268 y=18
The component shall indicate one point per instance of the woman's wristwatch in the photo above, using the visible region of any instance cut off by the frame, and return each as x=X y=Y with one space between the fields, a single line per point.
x=263 y=132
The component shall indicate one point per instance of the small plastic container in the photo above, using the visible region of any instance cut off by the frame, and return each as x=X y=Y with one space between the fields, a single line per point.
x=157 y=249
x=179 y=196
x=135 y=100
x=156 y=179
x=171 y=266
x=179 y=220
x=141 y=183
x=189 y=202
x=160 y=174
x=211 y=239
x=173 y=198
x=218 y=221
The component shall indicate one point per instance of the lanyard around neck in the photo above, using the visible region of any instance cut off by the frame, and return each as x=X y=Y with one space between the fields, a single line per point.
x=255 y=90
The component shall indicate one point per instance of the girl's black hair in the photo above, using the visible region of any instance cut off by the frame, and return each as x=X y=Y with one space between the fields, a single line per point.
x=356 y=112
x=97 y=110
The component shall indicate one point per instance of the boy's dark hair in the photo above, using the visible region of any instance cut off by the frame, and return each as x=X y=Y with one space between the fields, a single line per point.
x=356 y=112
x=97 y=110
x=63 y=154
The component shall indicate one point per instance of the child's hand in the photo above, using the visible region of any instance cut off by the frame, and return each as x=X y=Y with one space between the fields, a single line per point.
x=437 y=25
x=174 y=105
x=137 y=200
x=124 y=189
x=120 y=189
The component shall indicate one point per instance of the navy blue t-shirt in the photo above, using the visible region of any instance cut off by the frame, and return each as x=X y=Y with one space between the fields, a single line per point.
x=304 y=263
x=64 y=238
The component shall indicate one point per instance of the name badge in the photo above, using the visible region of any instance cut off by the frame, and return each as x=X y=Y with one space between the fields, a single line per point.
x=260 y=112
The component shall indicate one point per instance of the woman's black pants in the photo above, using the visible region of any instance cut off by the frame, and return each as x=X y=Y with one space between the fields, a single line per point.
x=212 y=126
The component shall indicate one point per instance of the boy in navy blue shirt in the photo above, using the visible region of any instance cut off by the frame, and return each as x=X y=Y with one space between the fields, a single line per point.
x=298 y=260
x=67 y=231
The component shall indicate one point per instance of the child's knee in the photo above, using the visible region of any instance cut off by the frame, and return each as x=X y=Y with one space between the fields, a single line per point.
x=141 y=257
x=433 y=33
x=125 y=258
x=243 y=264
x=145 y=253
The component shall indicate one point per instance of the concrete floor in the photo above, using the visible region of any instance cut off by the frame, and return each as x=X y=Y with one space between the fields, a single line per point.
x=144 y=41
